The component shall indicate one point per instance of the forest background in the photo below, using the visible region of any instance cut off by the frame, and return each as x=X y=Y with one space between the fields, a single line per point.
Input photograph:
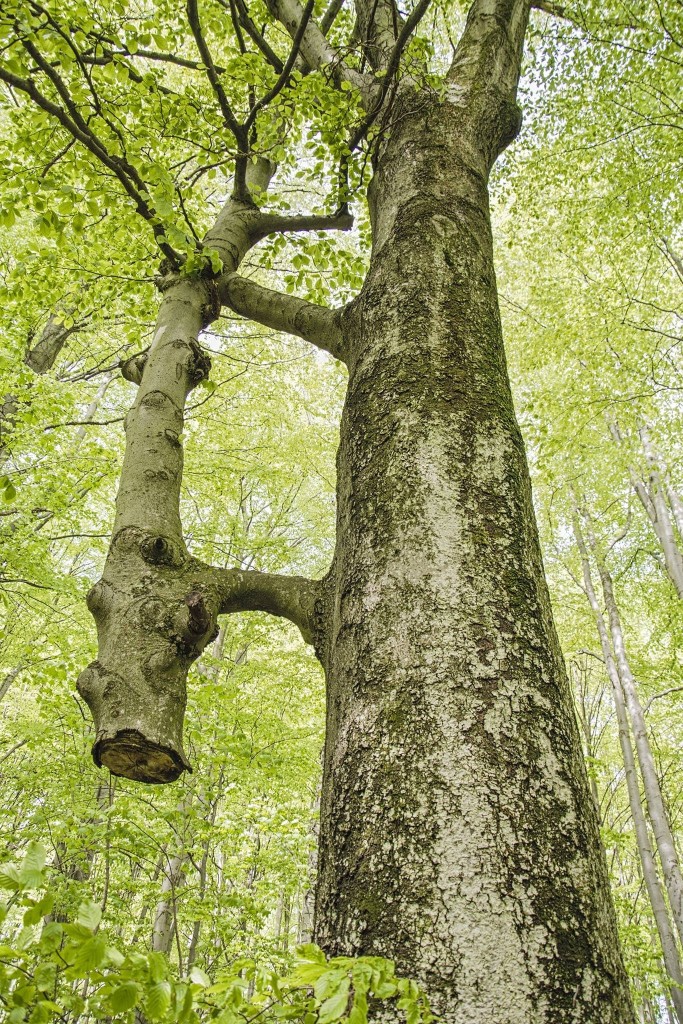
x=217 y=869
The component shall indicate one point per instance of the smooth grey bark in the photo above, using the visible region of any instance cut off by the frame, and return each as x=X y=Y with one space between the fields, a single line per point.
x=155 y=606
x=173 y=872
x=9 y=679
x=667 y=937
x=662 y=491
x=664 y=839
x=163 y=929
x=40 y=357
x=653 y=496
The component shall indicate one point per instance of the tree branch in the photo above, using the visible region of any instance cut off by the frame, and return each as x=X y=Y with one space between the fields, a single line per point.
x=407 y=30
x=494 y=27
x=212 y=74
x=330 y=15
x=290 y=597
x=318 y=325
x=557 y=10
x=275 y=223
x=254 y=34
x=287 y=69
x=316 y=50
x=119 y=168
x=484 y=73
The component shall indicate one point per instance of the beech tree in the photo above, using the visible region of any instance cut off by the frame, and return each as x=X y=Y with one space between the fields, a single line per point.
x=458 y=834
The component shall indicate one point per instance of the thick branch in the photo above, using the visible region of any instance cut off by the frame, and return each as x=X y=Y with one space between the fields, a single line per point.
x=377 y=26
x=315 y=49
x=484 y=74
x=406 y=32
x=330 y=15
x=557 y=10
x=275 y=223
x=290 y=597
x=490 y=49
x=316 y=324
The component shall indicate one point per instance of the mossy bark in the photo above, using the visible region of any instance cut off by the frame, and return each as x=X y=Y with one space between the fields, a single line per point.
x=458 y=835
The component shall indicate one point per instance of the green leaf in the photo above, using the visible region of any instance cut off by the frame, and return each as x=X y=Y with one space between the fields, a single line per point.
x=44 y=976
x=89 y=915
x=10 y=877
x=33 y=863
x=89 y=955
x=50 y=937
x=158 y=1000
x=158 y=966
x=198 y=976
x=328 y=982
x=337 y=1004
x=125 y=997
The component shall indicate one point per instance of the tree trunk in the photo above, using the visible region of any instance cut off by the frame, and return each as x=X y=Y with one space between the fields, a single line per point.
x=662 y=521
x=664 y=839
x=9 y=679
x=653 y=499
x=163 y=929
x=458 y=834
x=666 y=934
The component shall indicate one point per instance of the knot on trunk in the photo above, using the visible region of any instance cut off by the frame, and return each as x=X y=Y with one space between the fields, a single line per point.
x=211 y=309
x=133 y=368
x=98 y=598
x=199 y=617
x=509 y=124
x=161 y=551
x=193 y=624
x=199 y=365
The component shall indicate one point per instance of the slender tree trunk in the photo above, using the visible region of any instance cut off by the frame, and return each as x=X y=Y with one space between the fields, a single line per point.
x=163 y=929
x=8 y=680
x=40 y=357
x=660 y=911
x=653 y=499
x=92 y=408
x=666 y=847
x=658 y=467
x=584 y=718
x=458 y=834
x=664 y=527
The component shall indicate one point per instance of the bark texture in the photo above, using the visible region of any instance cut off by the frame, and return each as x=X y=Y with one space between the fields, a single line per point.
x=156 y=607
x=458 y=834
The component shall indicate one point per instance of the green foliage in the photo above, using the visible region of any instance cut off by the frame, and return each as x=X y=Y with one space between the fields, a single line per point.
x=49 y=969
x=587 y=217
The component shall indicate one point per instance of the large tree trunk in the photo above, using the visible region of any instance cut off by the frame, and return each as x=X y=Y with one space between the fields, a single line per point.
x=458 y=834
